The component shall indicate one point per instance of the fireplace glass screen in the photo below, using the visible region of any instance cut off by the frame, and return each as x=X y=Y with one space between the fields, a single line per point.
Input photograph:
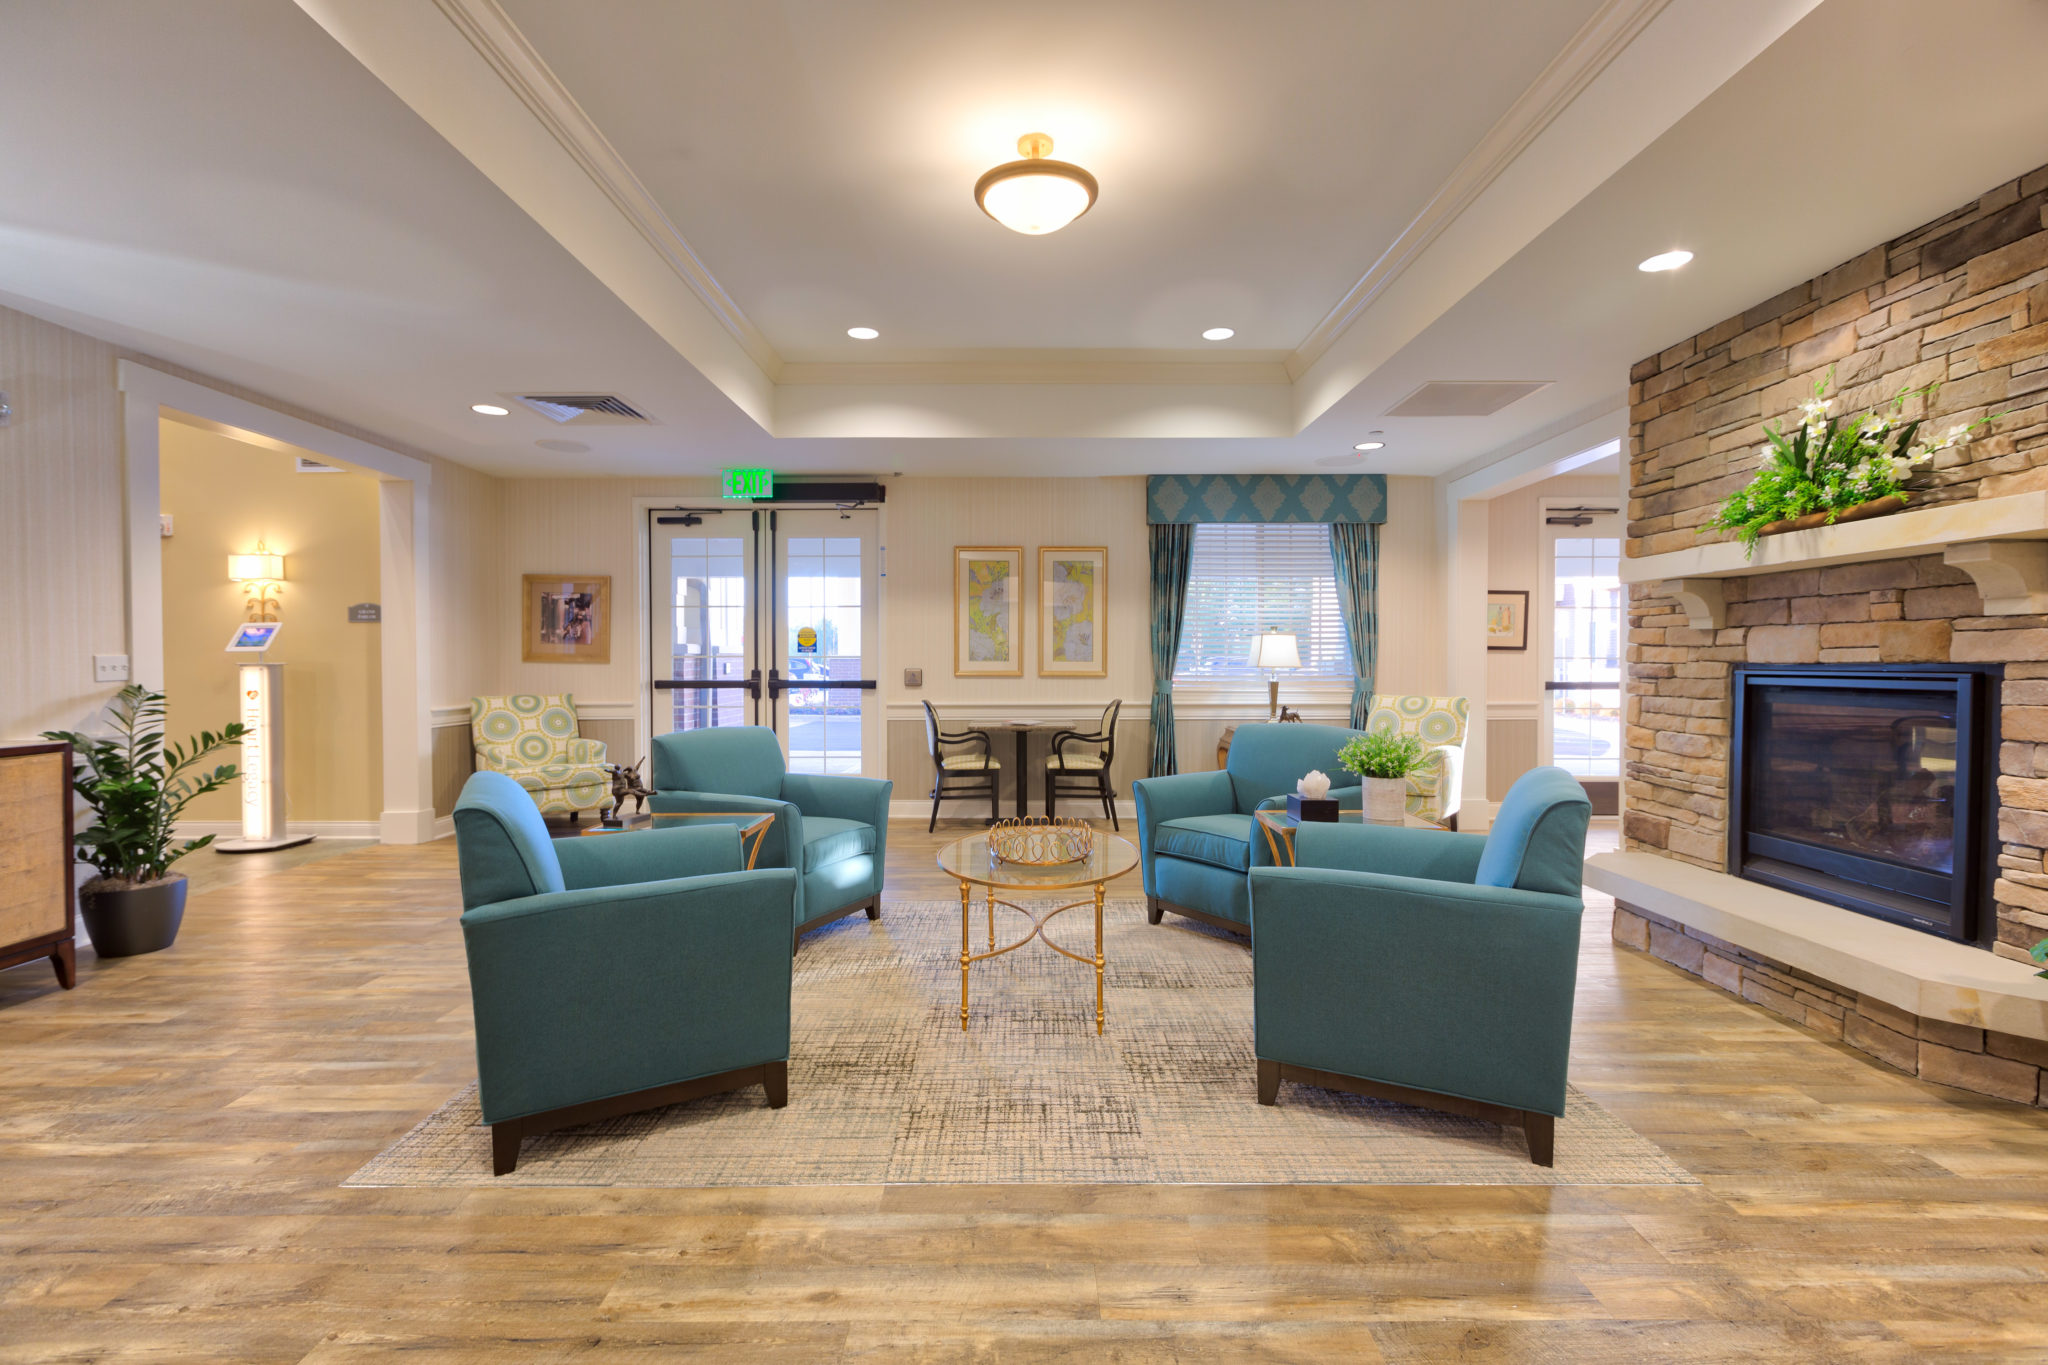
x=1870 y=773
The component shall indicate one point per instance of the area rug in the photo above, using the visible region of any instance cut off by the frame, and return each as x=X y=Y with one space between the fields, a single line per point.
x=885 y=1088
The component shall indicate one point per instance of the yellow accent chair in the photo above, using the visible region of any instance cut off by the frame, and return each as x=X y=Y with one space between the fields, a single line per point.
x=534 y=740
x=1436 y=788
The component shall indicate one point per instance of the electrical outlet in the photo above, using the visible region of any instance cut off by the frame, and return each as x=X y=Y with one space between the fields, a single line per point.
x=163 y=524
x=913 y=677
x=110 y=668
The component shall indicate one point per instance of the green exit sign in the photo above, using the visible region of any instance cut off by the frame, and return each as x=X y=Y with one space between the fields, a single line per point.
x=749 y=483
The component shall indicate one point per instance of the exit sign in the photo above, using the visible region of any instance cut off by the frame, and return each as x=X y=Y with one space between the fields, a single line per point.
x=749 y=483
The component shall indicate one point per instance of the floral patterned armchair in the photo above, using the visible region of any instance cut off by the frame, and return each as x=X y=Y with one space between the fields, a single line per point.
x=1435 y=789
x=534 y=741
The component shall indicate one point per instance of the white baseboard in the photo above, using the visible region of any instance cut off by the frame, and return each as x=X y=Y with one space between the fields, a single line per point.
x=444 y=826
x=975 y=808
x=326 y=829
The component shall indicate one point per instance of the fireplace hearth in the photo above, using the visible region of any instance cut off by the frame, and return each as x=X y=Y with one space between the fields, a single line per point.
x=1868 y=787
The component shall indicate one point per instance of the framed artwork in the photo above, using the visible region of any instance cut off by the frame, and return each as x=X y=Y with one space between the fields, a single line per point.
x=988 y=585
x=1507 y=619
x=1073 y=611
x=566 y=618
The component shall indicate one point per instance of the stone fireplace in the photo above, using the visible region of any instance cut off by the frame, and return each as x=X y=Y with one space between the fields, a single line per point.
x=1955 y=587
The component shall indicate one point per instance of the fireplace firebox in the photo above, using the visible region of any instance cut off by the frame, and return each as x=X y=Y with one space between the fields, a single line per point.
x=1868 y=786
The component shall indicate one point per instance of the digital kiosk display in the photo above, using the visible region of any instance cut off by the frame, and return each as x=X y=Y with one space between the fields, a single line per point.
x=253 y=637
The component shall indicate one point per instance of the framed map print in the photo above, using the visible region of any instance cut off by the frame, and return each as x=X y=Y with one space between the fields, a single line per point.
x=1073 y=606
x=988 y=589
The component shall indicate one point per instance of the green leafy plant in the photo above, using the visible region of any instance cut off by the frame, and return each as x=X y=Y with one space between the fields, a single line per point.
x=2040 y=954
x=137 y=785
x=1830 y=464
x=1381 y=753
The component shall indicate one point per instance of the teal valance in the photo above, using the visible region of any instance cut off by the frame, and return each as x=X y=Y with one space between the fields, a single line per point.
x=1178 y=499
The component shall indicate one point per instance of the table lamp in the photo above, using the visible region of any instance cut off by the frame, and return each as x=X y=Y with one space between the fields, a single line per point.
x=1274 y=650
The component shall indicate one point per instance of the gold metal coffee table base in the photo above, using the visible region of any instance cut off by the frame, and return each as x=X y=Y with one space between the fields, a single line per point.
x=968 y=957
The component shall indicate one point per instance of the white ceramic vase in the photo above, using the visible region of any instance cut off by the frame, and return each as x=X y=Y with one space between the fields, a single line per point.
x=1386 y=800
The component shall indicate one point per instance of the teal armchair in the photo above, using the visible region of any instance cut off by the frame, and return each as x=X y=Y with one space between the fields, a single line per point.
x=615 y=974
x=1197 y=838
x=833 y=831
x=1431 y=968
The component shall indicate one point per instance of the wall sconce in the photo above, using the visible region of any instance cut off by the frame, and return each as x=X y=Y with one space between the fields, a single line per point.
x=261 y=575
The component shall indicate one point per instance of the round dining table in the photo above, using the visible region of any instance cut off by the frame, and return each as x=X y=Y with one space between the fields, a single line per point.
x=1022 y=729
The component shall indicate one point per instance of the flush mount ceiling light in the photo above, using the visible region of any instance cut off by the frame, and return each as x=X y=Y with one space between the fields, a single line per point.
x=1666 y=260
x=1036 y=195
x=1373 y=441
x=1218 y=334
x=490 y=409
x=862 y=333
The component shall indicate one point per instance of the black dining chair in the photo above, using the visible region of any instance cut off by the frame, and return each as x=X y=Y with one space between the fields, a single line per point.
x=1071 y=759
x=964 y=764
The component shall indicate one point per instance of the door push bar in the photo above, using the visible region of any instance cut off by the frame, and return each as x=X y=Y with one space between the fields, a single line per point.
x=752 y=683
x=777 y=684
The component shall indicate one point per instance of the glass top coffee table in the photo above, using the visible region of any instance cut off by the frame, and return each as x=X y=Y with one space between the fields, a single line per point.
x=972 y=862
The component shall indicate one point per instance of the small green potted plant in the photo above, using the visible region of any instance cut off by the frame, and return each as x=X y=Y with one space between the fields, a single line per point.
x=137 y=786
x=1382 y=759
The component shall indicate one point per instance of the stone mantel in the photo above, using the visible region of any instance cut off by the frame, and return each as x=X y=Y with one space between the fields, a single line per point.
x=1926 y=976
x=2002 y=543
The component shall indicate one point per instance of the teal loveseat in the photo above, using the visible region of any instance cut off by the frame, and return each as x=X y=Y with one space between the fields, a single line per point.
x=1197 y=838
x=833 y=830
x=614 y=974
x=1431 y=968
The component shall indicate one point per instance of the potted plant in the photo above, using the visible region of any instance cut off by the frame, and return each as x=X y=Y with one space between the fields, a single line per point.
x=1382 y=759
x=1829 y=470
x=136 y=786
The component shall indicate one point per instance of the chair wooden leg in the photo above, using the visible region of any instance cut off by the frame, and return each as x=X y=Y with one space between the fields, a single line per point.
x=995 y=796
x=1153 y=911
x=933 y=823
x=1269 y=1082
x=775 y=1080
x=1051 y=785
x=1451 y=821
x=504 y=1148
x=1108 y=800
x=64 y=957
x=875 y=907
x=1541 y=1130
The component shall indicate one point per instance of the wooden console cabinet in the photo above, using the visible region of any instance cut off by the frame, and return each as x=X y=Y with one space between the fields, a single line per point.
x=38 y=910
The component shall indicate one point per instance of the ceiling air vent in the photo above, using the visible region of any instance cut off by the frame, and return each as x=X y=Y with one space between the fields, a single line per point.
x=589 y=408
x=1465 y=397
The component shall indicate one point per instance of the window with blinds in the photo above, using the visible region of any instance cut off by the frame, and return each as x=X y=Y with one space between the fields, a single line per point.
x=1246 y=579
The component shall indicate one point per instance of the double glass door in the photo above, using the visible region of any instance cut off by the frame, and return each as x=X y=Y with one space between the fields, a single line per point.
x=769 y=617
x=1582 y=715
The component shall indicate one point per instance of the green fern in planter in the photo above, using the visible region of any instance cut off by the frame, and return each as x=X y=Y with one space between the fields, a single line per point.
x=1830 y=464
x=2040 y=954
x=1381 y=753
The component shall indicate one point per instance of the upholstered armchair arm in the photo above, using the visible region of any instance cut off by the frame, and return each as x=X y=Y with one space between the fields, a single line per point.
x=1463 y=990
x=1176 y=798
x=584 y=751
x=784 y=838
x=609 y=991
x=863 y=799
x=1433 y=855
x=497 y=758
x=1447 y=763
x=648 y=855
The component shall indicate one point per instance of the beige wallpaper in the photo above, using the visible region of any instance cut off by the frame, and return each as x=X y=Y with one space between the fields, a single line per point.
x=62 y=547
x=223 y=496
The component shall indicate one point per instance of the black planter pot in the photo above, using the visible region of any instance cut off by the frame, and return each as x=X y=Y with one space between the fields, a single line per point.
x=142 y=920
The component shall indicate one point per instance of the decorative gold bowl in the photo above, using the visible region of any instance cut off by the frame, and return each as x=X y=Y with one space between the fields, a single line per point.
x=1040 y=842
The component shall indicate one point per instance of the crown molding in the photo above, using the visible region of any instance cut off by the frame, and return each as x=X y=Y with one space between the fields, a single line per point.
x=498 y=40
x=1597 y=43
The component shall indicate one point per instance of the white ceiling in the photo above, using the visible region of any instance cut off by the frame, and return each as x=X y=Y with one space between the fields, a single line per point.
x=224 y=184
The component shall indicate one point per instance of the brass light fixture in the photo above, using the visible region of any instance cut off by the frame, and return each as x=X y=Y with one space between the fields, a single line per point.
x=1036 y=195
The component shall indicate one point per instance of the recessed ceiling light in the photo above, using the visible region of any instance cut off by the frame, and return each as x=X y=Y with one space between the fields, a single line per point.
x=1036 y=195
x=489 y=409
x=1372 y=441
x=862 y=333
x=1218 y=334
x=1666 y=260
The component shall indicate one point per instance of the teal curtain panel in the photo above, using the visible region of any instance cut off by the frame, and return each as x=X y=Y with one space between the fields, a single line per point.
x=1355 y=557
x=1173 y=550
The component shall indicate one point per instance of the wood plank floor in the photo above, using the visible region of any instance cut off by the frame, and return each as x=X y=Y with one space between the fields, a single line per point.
x=173 y=1135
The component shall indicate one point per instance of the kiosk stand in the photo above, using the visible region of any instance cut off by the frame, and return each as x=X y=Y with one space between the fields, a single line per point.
x=262 y=701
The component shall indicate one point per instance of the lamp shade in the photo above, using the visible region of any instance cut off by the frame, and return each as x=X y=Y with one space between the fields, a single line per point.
x=1275 y=649
x=256 y=568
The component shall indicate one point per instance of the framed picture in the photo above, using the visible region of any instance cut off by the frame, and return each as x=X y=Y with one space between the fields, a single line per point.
x=1507 y=619
x=566 y=619
x=1073 y=611
x=988 y=587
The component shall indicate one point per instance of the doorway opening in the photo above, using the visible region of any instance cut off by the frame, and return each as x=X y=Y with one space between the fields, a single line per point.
x=769 y=617
x=1581 y=713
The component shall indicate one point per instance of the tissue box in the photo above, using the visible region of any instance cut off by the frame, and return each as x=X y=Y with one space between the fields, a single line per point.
x=1323 y=810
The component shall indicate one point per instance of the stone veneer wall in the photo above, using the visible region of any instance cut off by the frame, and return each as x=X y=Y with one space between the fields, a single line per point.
x=1963 y=301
